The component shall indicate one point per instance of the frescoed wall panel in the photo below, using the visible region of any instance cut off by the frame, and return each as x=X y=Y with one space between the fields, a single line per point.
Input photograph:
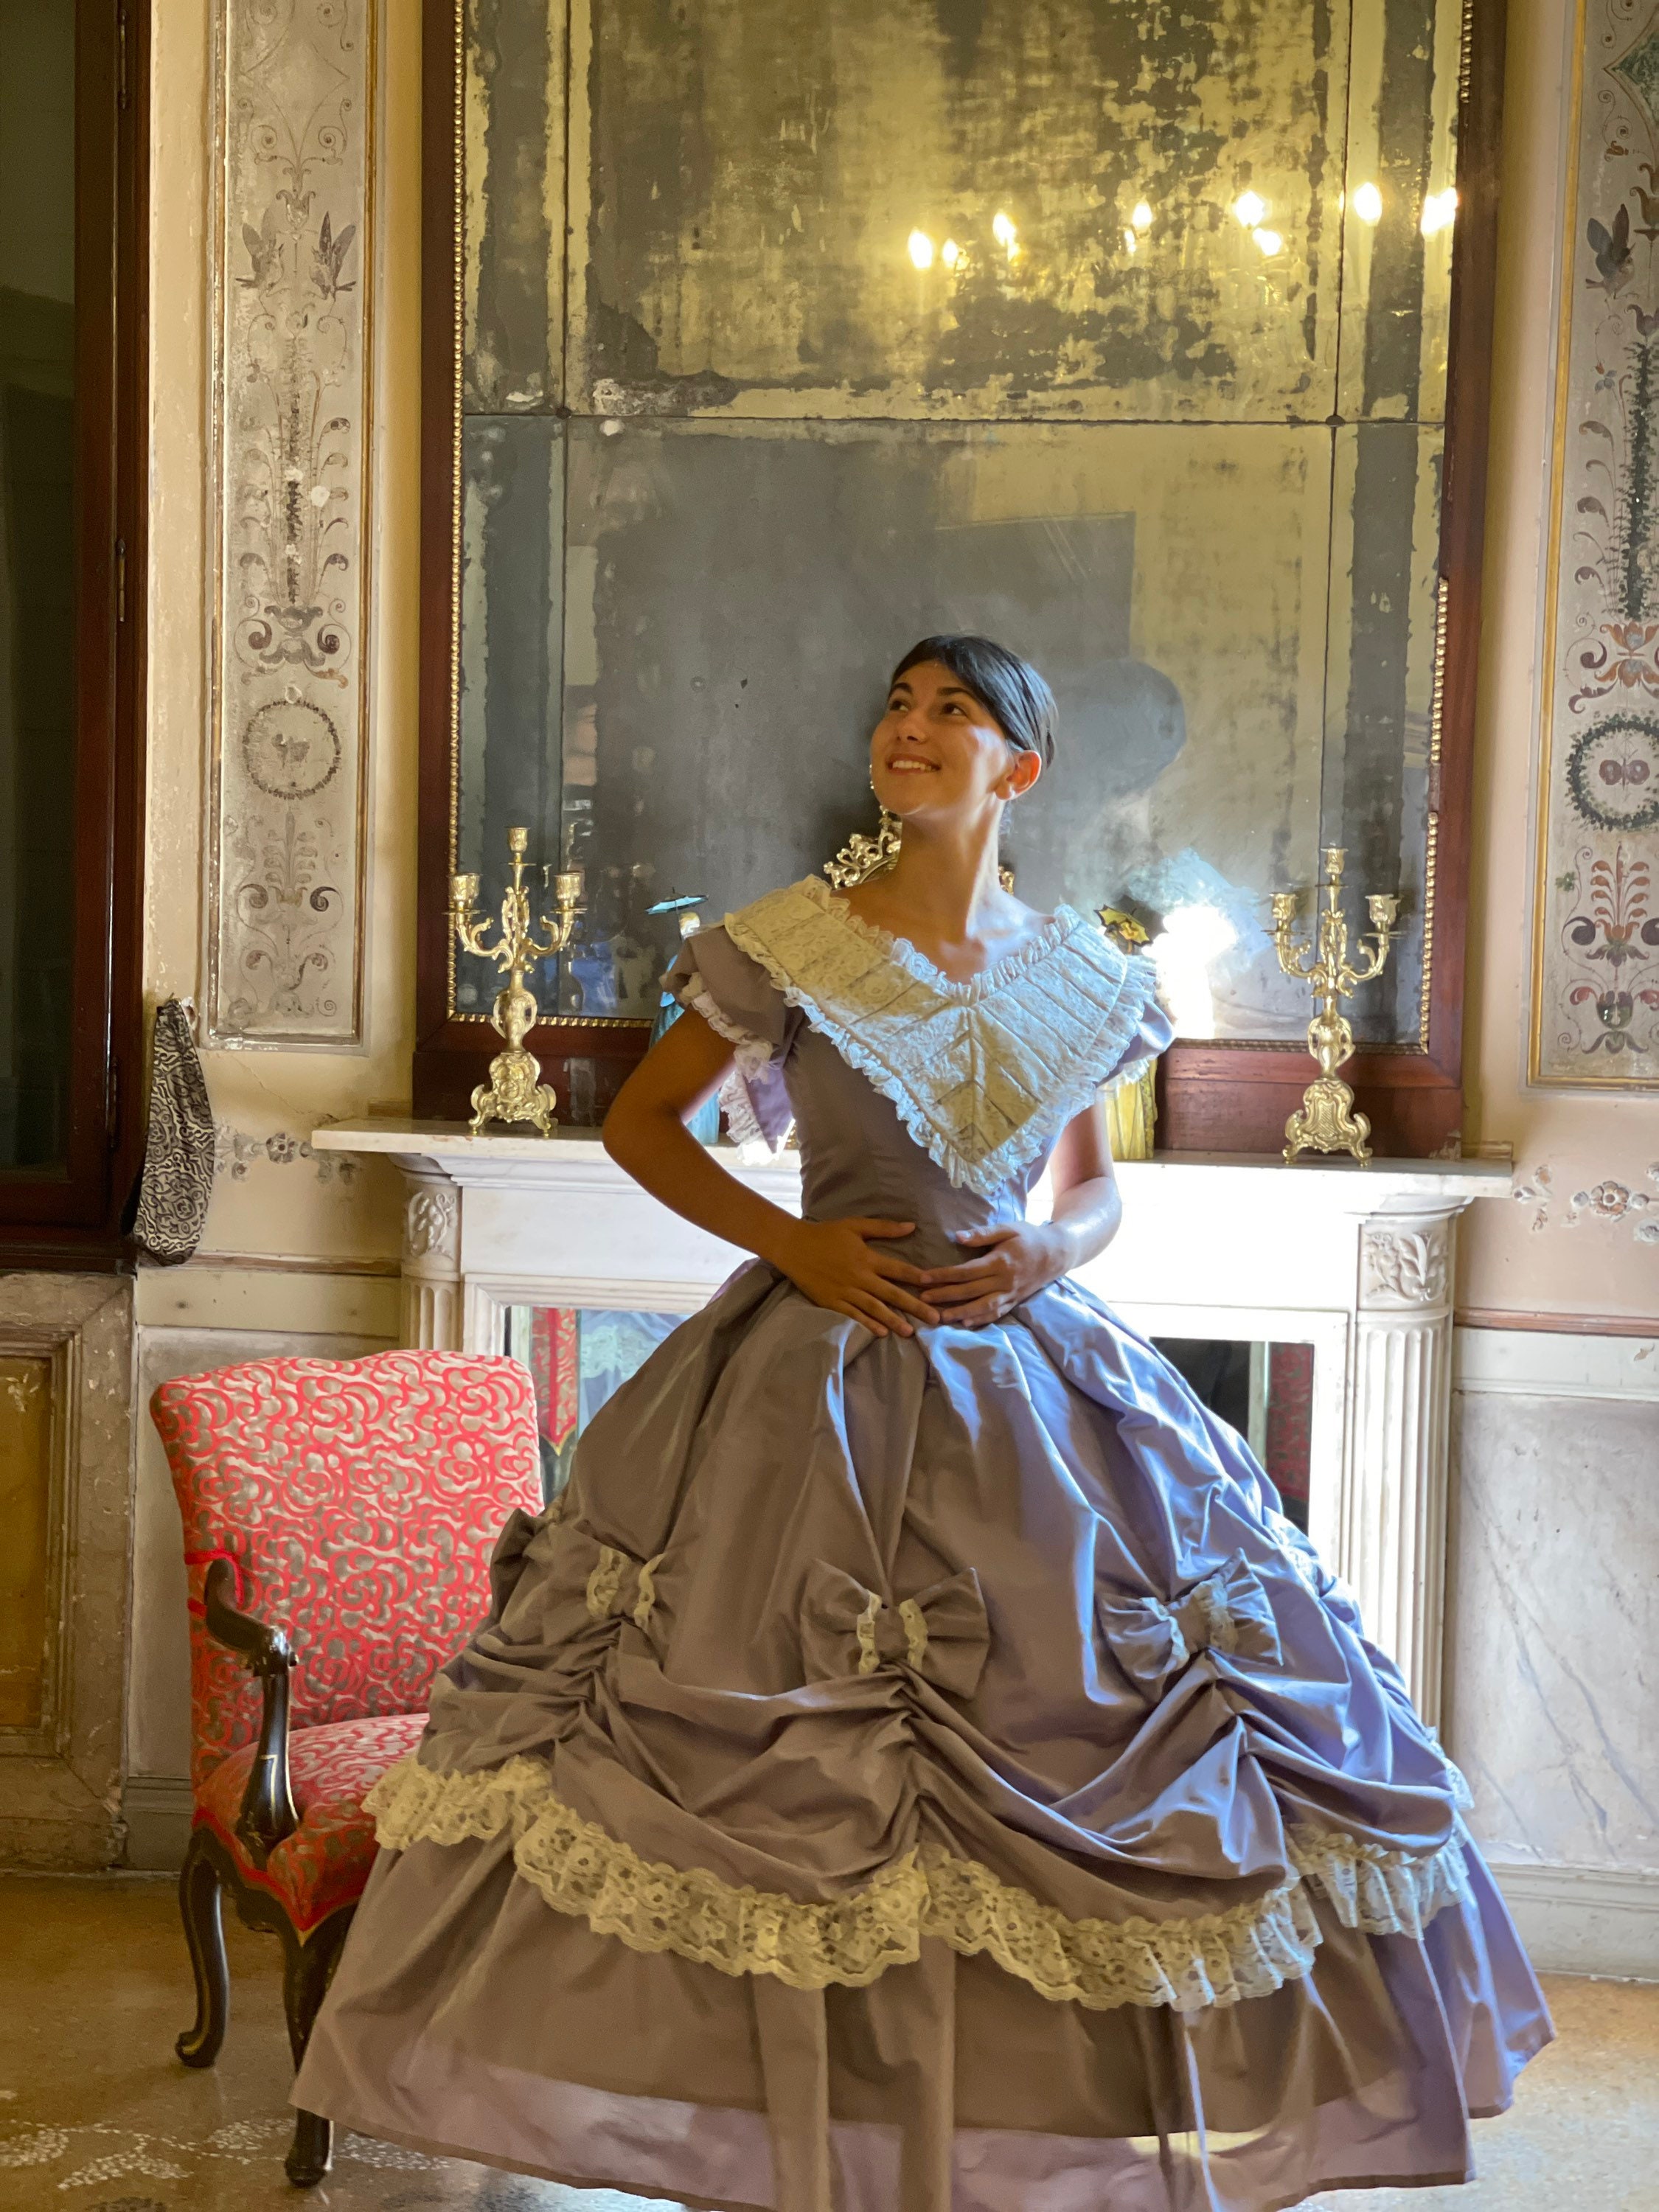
x=294 y=245
x=1595 y=954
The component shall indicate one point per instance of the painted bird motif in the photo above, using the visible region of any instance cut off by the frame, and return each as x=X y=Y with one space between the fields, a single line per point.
x=1613 y=262
x=328 y=258
x=265 y=247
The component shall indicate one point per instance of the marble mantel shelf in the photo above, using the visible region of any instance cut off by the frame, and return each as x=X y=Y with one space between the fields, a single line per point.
x=1339 y=1185
x=1357 y=1261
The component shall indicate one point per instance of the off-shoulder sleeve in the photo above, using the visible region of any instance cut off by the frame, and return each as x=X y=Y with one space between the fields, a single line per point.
x=739 y=1002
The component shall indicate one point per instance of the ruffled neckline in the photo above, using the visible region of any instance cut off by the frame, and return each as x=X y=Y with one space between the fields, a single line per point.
x=984 y=1072
x=1063 y=923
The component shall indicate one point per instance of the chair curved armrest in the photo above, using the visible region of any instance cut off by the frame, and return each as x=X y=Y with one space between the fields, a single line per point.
x=267 y=1813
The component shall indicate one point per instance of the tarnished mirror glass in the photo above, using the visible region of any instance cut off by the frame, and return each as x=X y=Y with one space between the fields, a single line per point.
x=1119 y=333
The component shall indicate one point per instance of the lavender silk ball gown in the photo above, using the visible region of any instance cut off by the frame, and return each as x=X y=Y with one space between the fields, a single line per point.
x=923 y=1774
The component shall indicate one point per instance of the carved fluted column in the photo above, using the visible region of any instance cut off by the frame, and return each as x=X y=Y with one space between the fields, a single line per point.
x=1393 y=1525
x=432 y=1264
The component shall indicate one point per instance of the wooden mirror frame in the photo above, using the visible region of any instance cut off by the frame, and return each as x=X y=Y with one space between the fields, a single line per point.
x=1212 y=1097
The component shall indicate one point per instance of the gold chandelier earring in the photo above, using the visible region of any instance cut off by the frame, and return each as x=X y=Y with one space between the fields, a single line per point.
x=862 y=856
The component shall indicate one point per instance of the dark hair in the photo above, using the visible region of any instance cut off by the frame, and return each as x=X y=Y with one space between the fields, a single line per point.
x=1009 y=689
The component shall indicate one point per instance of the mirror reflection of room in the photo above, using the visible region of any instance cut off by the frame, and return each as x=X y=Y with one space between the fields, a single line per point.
x=1114 y=391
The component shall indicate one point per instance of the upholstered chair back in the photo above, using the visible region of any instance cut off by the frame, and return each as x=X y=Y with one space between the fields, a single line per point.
x=359 y=1502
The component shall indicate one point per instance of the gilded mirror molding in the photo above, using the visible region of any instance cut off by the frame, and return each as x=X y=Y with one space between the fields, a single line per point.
x=615 y=573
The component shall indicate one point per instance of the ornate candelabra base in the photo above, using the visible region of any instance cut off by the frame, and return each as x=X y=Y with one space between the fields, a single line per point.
x=514 y=1092
x=1324 y=1121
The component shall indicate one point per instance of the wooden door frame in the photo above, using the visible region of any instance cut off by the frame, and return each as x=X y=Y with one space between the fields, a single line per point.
x=71 y=1216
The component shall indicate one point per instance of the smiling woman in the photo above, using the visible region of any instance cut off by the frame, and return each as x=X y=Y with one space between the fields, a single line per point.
x=965 y=720
x=917 y=1709
x=1016 y=697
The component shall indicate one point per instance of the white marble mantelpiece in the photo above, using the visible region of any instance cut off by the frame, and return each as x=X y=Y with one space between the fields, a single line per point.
x=1357 y=1261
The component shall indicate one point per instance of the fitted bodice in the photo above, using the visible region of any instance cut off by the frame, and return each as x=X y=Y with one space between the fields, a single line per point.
x=914 y=1097
x=857 y=1157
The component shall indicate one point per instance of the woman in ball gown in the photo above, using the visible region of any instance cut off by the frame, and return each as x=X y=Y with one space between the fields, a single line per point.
x=914 y=1767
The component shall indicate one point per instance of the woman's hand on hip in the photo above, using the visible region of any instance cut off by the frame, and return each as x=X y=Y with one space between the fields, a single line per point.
x=1011 y=1266
x=841 y=1265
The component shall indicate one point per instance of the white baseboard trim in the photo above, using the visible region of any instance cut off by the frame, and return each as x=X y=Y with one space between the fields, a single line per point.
x=157 y=1809
x=1584 y=1920
x=1537 y=1364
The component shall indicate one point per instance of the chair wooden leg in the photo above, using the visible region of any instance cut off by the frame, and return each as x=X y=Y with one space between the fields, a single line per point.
x=307 y=1968
x=310 y=2154
x=199 y=1903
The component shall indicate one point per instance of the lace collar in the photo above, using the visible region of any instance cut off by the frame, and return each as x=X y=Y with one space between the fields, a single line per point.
x=984 y=1073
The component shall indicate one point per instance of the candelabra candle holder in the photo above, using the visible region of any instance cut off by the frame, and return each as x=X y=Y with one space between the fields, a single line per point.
x=515 y=1091
x=1326 y=1120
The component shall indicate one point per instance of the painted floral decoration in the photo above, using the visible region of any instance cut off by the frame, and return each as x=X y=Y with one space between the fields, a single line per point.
x=1608 y=1201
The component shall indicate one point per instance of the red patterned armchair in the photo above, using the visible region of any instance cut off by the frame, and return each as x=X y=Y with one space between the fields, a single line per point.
x=339 y=1519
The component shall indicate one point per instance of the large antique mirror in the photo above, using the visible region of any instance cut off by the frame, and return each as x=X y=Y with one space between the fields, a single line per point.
x=762 y=341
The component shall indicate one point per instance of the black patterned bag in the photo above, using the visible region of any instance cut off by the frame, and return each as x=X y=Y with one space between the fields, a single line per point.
x=176 y=1180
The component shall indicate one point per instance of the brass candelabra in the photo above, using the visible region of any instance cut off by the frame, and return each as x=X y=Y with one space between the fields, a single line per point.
x=1326 y=1120
x=515 y=1092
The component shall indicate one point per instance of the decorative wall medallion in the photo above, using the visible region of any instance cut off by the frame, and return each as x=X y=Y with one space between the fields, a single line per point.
x=1405 y=1267
x=291 y=749
x=429 y=1226
x=1607 y=1204
x=1596 y=947
x=293 y=145
x=234 y=1152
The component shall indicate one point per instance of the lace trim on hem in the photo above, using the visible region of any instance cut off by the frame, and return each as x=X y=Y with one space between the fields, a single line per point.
x=1217 y=1960
x=983 y=1176
x=1377 y=1890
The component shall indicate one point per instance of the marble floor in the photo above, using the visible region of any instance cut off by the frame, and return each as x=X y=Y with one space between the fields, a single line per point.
x=96 y=2115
